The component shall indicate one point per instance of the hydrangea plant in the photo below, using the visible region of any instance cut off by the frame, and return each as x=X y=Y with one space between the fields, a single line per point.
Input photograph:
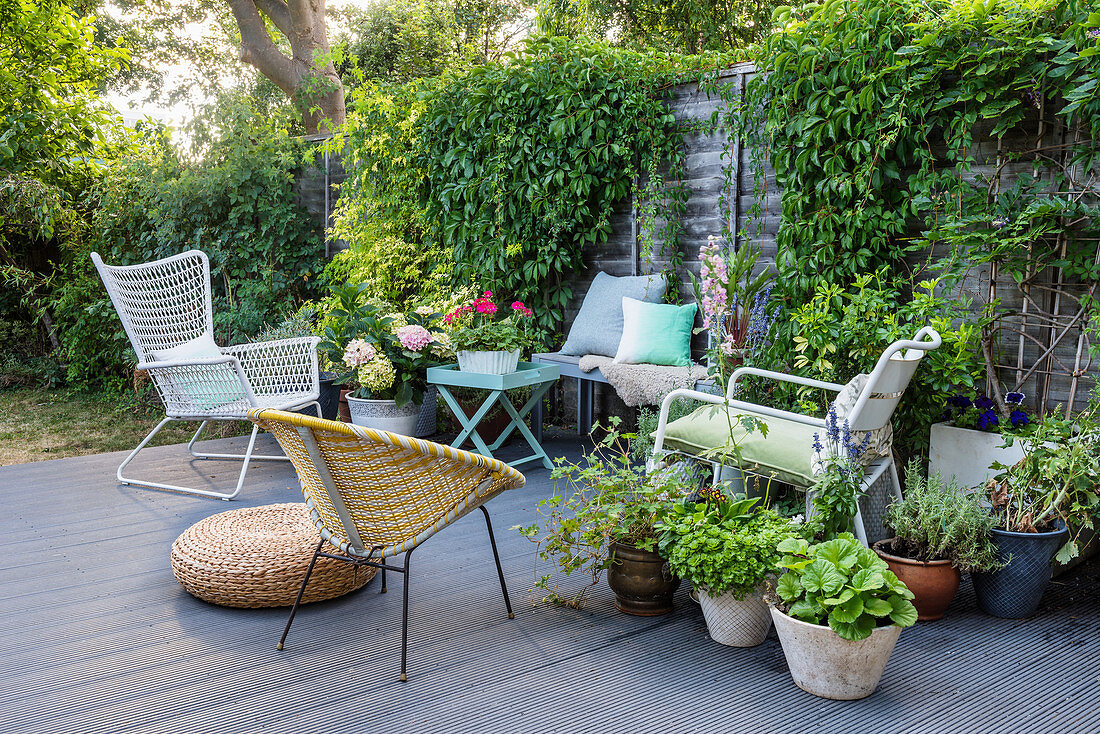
x=843 y=584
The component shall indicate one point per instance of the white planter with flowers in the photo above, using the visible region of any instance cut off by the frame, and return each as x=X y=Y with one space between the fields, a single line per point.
x=965 y=448
x=384 y=415
x=484 y=343
x=382 y=359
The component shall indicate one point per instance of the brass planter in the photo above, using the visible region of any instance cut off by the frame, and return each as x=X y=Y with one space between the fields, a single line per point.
x=642 y=581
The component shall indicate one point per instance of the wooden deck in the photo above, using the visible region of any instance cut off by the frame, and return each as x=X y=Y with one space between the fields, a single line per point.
x=98 y=637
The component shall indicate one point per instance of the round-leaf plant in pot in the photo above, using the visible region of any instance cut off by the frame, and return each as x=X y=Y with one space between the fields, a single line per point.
x=1041 y=505
x=939 y=532
x=602 y=517
x=484 y=343
x=382 y=358
x=727 y=547
x=839 y=615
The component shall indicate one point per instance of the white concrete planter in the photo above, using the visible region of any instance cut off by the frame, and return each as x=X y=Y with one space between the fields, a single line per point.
x=488 y=363
x=735 y=622
x=966 y=454
x=384 y=415
x=825 y=664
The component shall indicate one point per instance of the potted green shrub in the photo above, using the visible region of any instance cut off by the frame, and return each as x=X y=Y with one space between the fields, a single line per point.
x=1041 y=504
x=939 y=532
x=727 y=548
x=382 y=358
x=485 y=342
x=603 y=517
x=840 y=610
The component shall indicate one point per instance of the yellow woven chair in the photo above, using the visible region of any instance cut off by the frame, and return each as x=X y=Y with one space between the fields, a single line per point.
x=374 y=494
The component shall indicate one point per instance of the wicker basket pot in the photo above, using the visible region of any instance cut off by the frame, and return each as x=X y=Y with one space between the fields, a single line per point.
x=736 y=622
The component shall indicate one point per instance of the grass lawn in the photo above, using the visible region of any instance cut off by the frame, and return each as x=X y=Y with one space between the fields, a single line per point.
x=37 y=424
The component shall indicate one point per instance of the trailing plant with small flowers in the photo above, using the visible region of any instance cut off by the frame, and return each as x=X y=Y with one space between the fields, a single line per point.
x=479 y=326
x=379 y=354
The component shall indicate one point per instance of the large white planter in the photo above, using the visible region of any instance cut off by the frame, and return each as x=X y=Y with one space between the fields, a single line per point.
x=488 y=363
x=735 y=622
x=966 y=454
x=825 y=664
x=384 y=415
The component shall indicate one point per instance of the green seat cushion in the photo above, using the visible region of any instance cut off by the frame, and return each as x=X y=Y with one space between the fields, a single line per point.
x=785 y=452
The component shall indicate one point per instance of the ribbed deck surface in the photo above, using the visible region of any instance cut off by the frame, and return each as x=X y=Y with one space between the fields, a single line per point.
x=98 y=637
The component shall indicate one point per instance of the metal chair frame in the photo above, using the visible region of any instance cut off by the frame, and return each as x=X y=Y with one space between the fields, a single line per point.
x=375 y=495
x=873 y=409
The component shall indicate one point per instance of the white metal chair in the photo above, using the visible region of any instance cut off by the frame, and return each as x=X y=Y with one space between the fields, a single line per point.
x=166 y=309
x=790 y=435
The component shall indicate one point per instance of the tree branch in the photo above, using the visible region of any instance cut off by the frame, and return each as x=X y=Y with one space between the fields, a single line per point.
x=279 y=14
x=259 y=50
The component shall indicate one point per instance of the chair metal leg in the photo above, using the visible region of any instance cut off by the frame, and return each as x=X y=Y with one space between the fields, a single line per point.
x=301 y=593
x=201 y=455
x=405 y=618
x=383 y=591
x=496 y=557
x=123 y=479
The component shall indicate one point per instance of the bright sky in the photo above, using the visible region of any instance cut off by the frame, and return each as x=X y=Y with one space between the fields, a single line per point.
x=133 y=109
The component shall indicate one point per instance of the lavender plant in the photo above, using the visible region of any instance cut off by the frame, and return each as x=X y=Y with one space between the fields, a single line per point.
x=838 y=485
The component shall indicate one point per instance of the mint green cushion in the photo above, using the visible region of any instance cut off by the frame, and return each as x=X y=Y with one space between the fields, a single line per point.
x=786 y=451
x=656 y=333
x=208 y=387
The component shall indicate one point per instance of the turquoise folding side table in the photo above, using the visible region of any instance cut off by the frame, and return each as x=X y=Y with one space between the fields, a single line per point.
x=539 y=377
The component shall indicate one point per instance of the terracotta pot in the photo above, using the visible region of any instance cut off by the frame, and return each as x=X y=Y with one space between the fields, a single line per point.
x=933 y=583
x=642 y=581
x=491 y=426
x=345 y=411
x=825 y=664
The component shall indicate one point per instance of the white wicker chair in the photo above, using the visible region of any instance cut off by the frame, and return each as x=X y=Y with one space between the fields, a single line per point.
x=165 y=307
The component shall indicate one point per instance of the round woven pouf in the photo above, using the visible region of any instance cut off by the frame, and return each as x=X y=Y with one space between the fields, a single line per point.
x=258 y=556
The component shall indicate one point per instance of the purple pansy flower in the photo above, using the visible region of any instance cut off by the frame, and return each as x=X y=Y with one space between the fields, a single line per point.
x=984 y=402
x=1014 y=398
x=987 y=420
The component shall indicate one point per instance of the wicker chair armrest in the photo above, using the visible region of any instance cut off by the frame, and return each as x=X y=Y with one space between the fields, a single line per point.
x=202 y=386
x=281 y=366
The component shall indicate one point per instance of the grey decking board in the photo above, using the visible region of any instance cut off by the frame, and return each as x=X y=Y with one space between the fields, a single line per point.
x=112 y=644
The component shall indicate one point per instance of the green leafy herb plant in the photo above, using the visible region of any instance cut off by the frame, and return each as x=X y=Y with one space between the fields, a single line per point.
x=842 y=584
x=723 y=543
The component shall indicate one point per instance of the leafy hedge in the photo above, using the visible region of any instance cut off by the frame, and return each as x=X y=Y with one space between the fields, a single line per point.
x=509 y=169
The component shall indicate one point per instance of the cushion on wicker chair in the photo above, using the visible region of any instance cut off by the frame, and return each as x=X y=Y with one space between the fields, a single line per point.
x=784 y=453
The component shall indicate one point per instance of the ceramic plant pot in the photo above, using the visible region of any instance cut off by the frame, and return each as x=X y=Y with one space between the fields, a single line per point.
x=966 y=454
x=1014 y=592
x=642 y=581
x=329 y=397
x=343 y=411
x=384 y=415
x=933 y=583
x=735 y=622
x=429 y=410
x=488 y=363
x=825 y=664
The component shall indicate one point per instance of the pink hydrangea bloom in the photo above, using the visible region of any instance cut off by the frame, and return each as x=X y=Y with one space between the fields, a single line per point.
x=413 y=337
x=358 y=352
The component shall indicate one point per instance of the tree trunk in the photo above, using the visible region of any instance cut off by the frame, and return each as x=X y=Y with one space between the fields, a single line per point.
x=307 y=75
